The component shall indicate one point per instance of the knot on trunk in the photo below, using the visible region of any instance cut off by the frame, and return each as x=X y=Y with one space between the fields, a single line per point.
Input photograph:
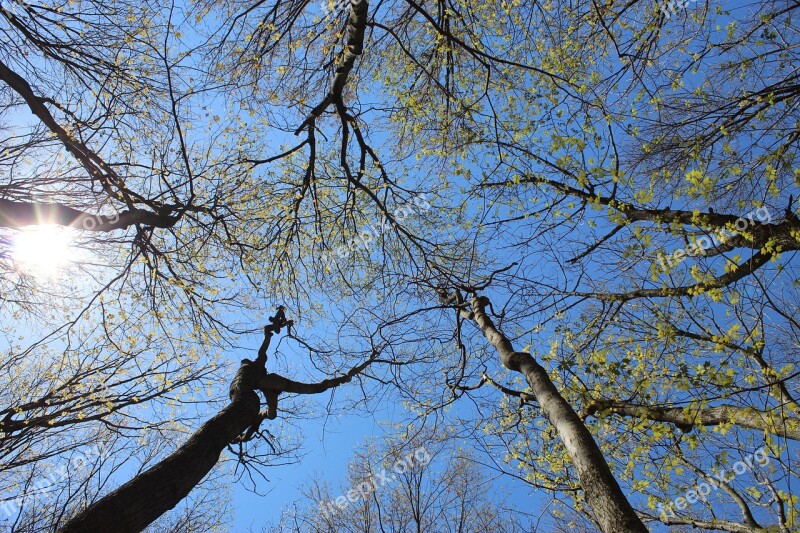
x=245 y=383
x=515 y=360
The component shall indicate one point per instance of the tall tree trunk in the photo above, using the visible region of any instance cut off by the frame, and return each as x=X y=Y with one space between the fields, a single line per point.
x=610 y=506
x=139 y=502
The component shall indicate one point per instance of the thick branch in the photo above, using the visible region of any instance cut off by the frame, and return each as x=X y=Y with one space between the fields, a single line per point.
x=685 y=419
x=276 y=382
x=19 y=214
x=757 y=234
x=740 y=271
x=346 y=60
x=93 y=164
x=635 y=213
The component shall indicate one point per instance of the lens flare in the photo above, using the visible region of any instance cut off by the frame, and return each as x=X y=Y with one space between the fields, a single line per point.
x=42 y=250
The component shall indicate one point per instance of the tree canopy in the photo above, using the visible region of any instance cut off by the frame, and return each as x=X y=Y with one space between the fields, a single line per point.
x=561 y=233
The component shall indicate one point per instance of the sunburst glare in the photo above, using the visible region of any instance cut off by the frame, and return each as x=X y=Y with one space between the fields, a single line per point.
x=42 y=250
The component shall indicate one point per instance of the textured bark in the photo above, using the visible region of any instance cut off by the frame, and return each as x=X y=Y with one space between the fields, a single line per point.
x=686 y=419
x=137 y=503
x=610 y=506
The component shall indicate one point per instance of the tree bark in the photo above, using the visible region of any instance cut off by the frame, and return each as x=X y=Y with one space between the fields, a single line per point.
x=20 y=214
x=688 y=418
x=610 y=506
x=137 y=503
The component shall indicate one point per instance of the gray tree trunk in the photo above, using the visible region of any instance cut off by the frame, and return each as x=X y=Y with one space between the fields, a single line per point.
x=610 y=506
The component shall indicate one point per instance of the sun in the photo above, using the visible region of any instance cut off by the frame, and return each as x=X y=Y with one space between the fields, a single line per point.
x=42 y=250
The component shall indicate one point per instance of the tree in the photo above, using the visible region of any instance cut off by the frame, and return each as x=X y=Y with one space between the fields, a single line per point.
x=609 y=504
x=136 y=504
x=619 y=180
x=440 y=489
x=664 y=250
